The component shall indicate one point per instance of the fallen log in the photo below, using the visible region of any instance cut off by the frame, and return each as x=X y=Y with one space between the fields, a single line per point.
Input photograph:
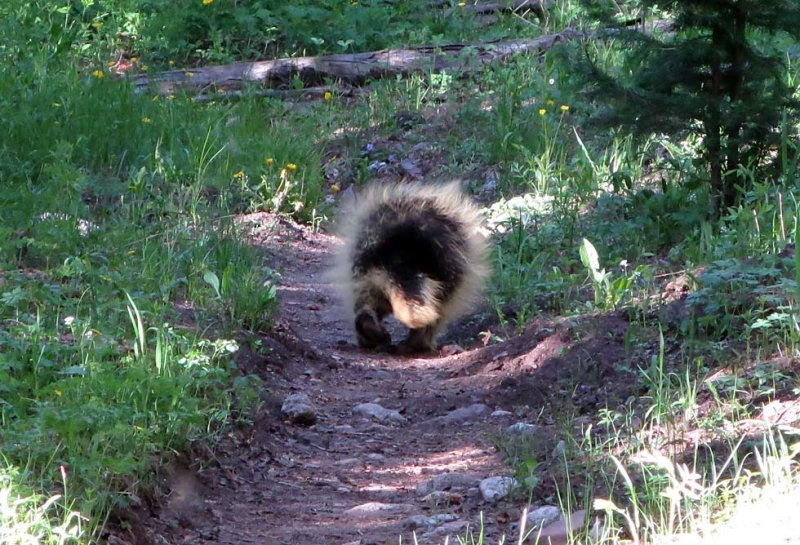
x=538 y=7
x=352 y=69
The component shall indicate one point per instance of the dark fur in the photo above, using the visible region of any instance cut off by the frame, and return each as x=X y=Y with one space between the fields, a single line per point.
x=413 y=251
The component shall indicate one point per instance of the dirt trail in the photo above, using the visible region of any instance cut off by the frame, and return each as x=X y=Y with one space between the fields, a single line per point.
x=282 y=483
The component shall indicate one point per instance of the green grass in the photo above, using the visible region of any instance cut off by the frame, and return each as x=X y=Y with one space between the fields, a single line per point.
x=124 y=279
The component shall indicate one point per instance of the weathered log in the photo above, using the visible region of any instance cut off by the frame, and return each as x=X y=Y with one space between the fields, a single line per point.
x=538 y=7
x=353 y=69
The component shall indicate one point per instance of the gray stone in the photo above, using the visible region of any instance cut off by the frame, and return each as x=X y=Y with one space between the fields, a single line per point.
x=465 y=414
x=375 y=509
x=446 y=481
x=452 y=530
x=441 y=497
x=521 y=428
x=379 y=413
x=501 y=414
x=495 y=488
x=421 y=521
x=299 y=410
x=542 y=516
x=559 y=450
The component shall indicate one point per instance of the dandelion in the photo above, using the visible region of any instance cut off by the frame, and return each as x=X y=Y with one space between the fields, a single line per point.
x=542 y=111
x=564 y=108
x=327 y=96
x=146 y=120
x=207 y=2
x=134 y=59
x=269 y=161
x=111 y=64
x=56 y=104
x=97 y=25
x=239 y=175
x=144 y=68
x=336 y=188
x=99 y=74
x=462 y=4
x=171 y=62
x=291 y=166
x=189 y=74
x=58 y=393
x=551 y=102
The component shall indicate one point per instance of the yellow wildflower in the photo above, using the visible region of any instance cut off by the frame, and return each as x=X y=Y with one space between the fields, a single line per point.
x=327 y=96
x=239 y=175
x=146 y=120
x=56 y=104
x=336 y=188
x=97 y=25
x=551 y=102
x=542 y=111
x=171 y=62
x=144 y=68
x=189 y=74
x=207 y=2
x=462 y=4
x=57 y=392
x=269 y=161
x=564 y=108
x=134 y=59
x=291 y=166
x=99 y=74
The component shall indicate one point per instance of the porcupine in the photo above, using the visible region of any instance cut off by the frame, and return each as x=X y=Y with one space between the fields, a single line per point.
x=415 y=251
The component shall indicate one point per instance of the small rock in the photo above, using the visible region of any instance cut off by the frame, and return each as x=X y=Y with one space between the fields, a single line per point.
x=501 y=414
x=559 y=450
x=299 y=410
x=542 y=516
x=464 y=414
x=344 y=428
x=520 y=428
x=559 y=532
x=347 y=462
x=379 y=413
x=495 y=488
x=450 y=350
x=422 y=521
x=378 y=510
x=451 y=529
x=443 y=498
x=375 y=457
x=446 y=481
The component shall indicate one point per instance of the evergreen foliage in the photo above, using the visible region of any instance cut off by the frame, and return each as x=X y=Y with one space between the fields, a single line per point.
x=712 y=73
